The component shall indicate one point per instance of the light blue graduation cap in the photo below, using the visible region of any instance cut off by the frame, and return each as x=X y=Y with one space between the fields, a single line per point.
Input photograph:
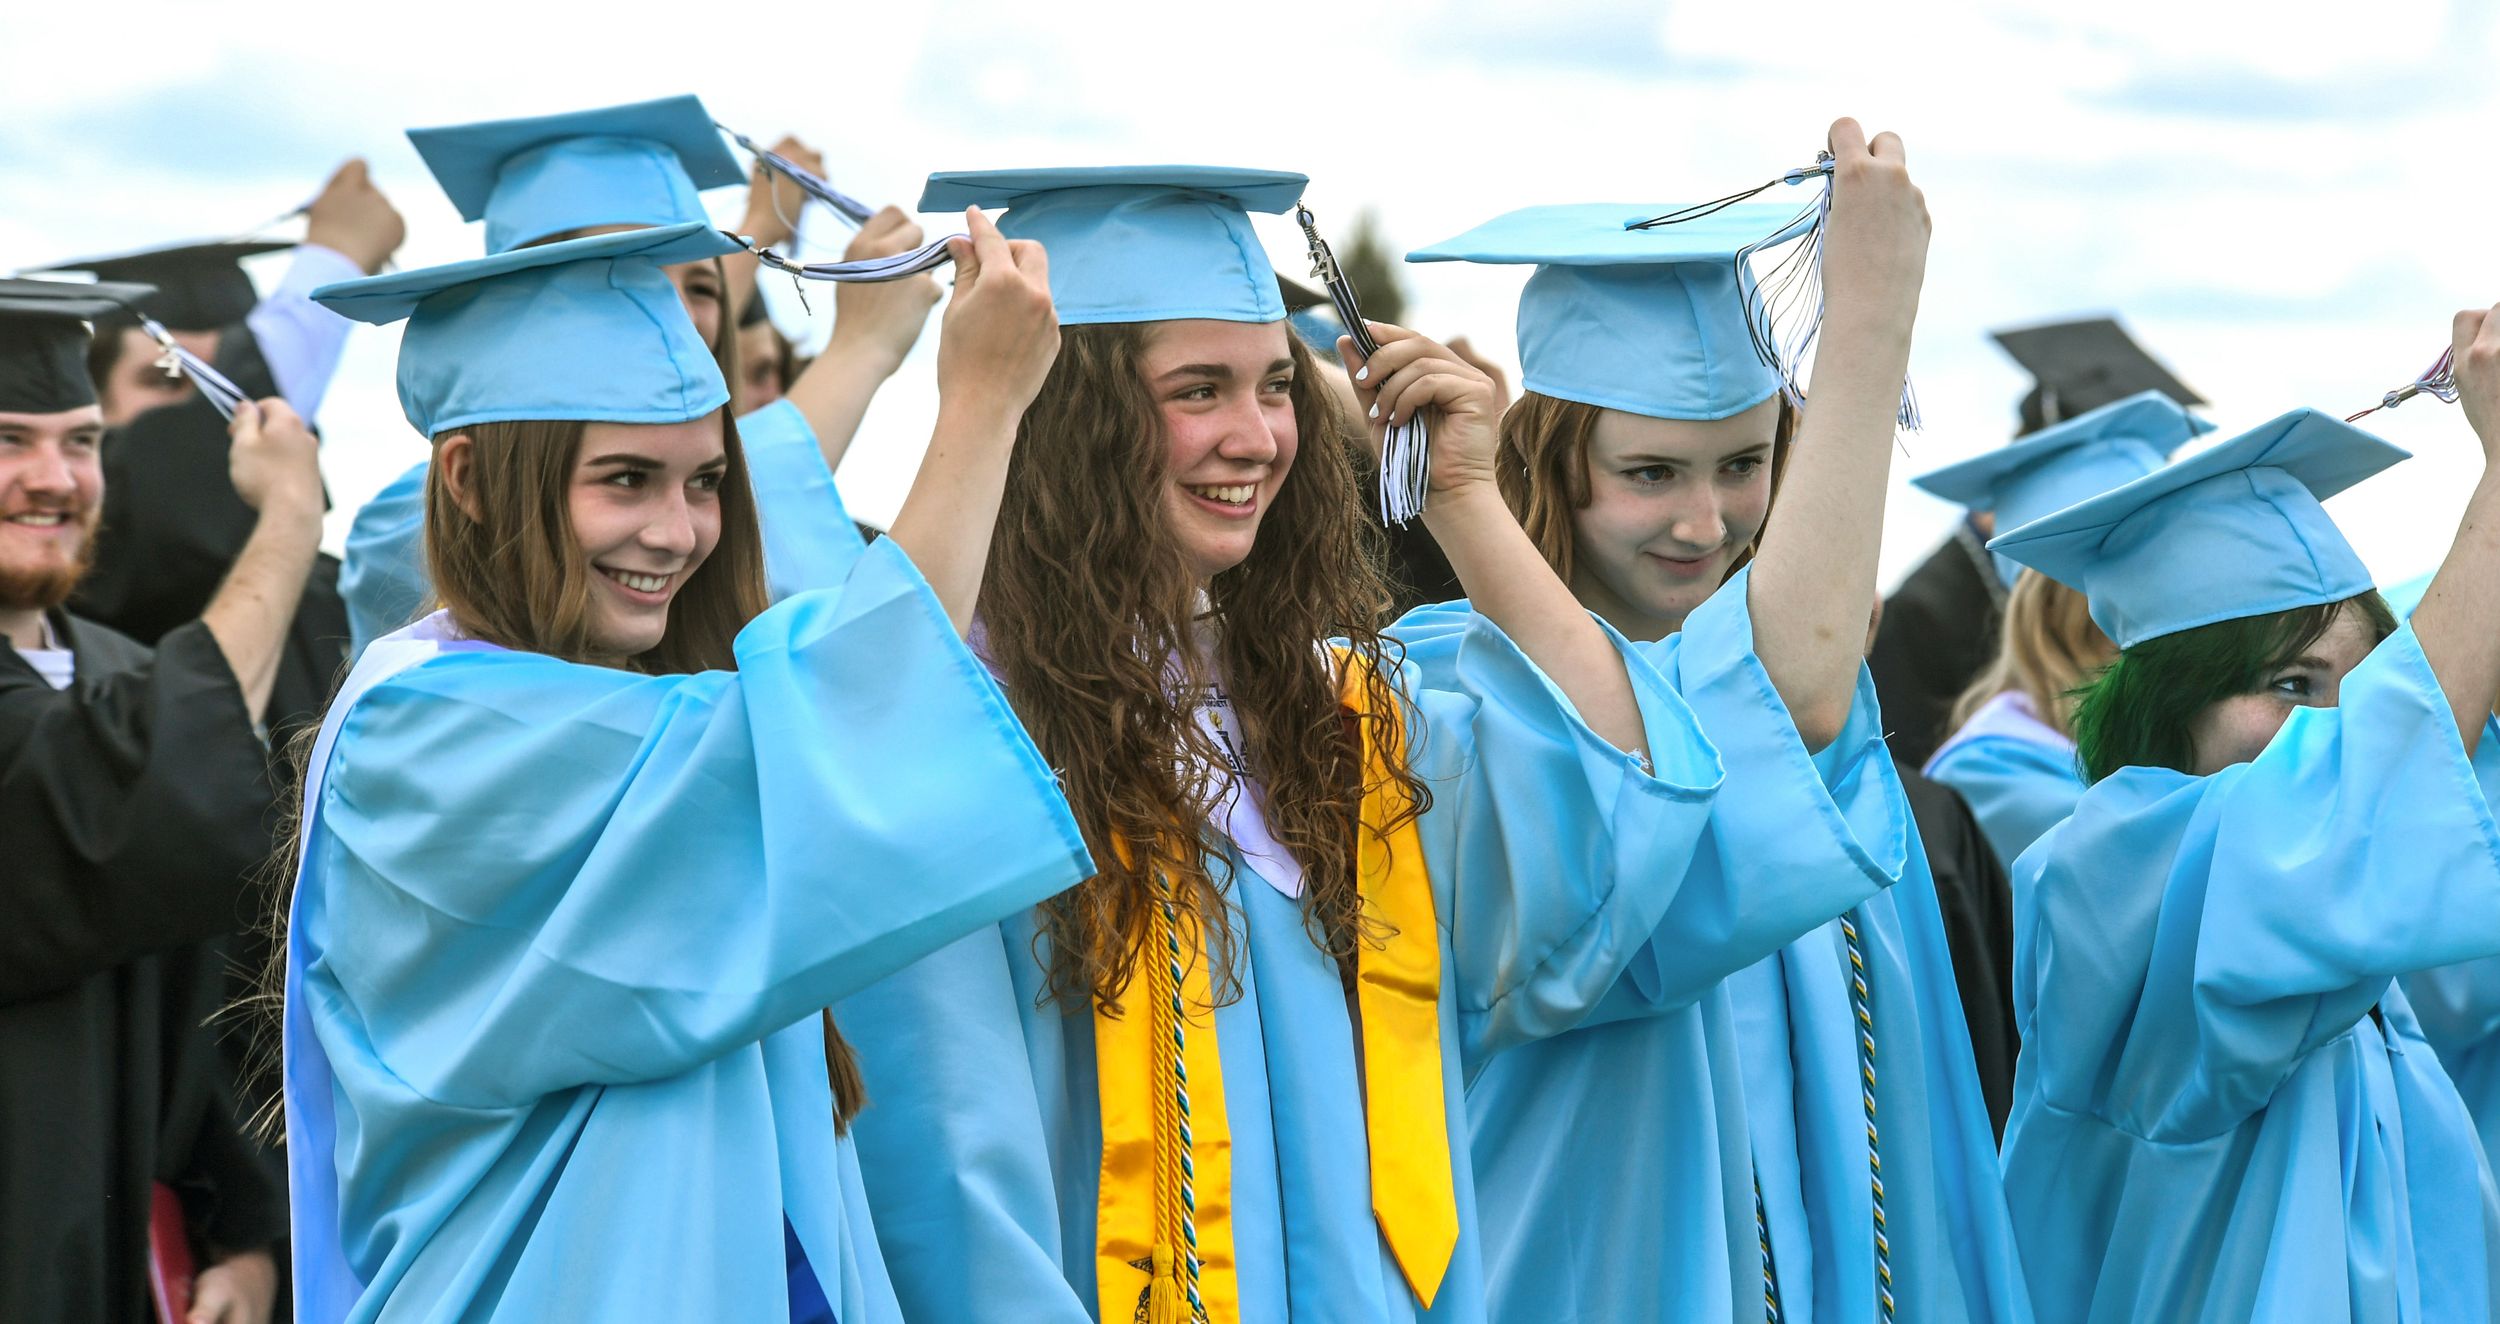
x=642 y=164
x=1138 y=243
x=583 y=329
x=2228 y=532
x=1650 y=321
x=2058 y=466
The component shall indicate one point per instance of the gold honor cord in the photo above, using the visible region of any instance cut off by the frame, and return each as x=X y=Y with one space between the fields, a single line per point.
x=1858 y=1004
x=1405 y=454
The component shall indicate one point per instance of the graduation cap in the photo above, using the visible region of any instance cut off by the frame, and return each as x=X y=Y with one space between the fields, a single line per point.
x=2058 y=466
x=199 y=286
x=43 y=340
x=640 y=164
x=1652 y=321
x=1138 y=243
x=2080 y=366
x=2229 y=532
x=581 y=329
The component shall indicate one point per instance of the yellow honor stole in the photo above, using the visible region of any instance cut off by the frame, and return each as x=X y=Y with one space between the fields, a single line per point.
x=1163 y=1224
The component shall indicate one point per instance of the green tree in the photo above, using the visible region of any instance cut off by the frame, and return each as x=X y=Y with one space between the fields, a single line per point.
x=1373 y=266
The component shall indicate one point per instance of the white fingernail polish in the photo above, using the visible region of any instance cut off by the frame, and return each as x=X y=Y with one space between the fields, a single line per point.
x=1375 y=411
x=1363 y=373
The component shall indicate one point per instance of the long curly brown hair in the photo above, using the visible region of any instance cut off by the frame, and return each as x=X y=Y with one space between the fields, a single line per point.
x=1089 y=609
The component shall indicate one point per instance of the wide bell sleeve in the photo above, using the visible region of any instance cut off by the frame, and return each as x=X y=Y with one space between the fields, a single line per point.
x=953 y=1148
x=543 y=875
x=382 y=575
x=2017 y=789
x=1796 y=838
x=1553 y=853
x=134 y=810
x=2185 y=942
x=809 y=538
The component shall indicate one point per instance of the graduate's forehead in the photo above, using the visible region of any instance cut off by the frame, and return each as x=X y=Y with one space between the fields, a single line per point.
x=692 y=444
x=1621 y=435
x=1243 y=346
x=56 y=423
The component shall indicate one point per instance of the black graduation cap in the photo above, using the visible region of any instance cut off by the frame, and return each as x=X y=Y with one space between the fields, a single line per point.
x=199 y=286
x=43 y=340
x=2080 y=366
x=1297 y=295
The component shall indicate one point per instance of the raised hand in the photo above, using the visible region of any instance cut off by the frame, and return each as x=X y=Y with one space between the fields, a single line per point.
x=275 y=461
x=1875 y=240
x=1000 y=335
x=773 y=200
x=1412 y=374
x=2474 y=353
x=882 y=319
x=352 y=217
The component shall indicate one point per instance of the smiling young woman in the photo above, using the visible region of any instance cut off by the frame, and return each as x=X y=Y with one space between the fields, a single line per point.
x=584 y=854
x=1220 y=1079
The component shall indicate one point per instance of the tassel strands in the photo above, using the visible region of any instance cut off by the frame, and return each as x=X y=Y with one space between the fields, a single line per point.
x=2439 y=382
x=180 y=362
x=1784 y=309
x=1405 y=454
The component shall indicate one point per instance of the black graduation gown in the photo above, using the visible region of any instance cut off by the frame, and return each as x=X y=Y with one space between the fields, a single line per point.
x=1978 y=905
x=134 y=806
x=173 y=526
x=1938 y=632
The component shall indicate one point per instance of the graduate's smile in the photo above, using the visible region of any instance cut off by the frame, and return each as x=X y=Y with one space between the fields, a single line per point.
x=59 y=527
x=1225 y=500
x=641 y=588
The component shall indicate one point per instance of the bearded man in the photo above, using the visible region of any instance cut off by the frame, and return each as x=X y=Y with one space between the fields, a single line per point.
x=136 y=803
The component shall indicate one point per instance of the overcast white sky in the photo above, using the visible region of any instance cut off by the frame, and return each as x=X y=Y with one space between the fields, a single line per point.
x=2285 y=200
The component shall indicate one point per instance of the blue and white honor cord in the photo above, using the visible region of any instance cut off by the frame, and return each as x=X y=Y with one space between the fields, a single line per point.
x=1406 y=452
x=180 y=362
x=1859 y=1006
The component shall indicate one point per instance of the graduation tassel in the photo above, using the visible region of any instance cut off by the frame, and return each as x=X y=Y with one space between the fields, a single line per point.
x=927 y=257
x=2439 y=381
x=180 y=362
x=1784 y=310
x=1405 y=455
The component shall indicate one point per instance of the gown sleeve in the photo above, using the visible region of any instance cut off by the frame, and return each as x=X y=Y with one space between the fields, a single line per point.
x=809 y=538
x=547 y=875
x=2187 y=941
x=952 y=1147
x=2458 y=1006
x=2017 y=789
x=1553 y=854
x=134 y=807
x=382 y=575
x=1797 y=838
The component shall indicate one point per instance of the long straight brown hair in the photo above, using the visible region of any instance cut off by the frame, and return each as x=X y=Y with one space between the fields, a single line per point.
x=1542 y=469
x=1088 y=607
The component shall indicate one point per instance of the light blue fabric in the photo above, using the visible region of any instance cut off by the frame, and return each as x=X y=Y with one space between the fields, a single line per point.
x=583 y=329
x=1138 y=243
x=2232 y=531
x=382 y=576
x=1653 y=321
x=1612 y=1166
x=2060 y=465
x=809 y=536
x=2225 y=1109
x=983 y=1150
x=565 y=930
x=2019 y=775
x=2459 y=1005
x=1952 y=1246
x=639 y=164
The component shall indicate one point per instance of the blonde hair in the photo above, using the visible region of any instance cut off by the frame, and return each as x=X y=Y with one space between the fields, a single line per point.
x=2048 y=649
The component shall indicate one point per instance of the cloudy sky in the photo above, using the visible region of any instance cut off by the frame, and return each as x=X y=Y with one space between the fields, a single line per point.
x=2285 y=200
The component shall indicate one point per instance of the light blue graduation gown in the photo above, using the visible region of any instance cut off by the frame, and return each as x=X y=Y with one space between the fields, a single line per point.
x=561 y=938
x=2209 y=1122
x=2018 y=773
x=982 y=1149
x=383 y=575
x=1612 y=1166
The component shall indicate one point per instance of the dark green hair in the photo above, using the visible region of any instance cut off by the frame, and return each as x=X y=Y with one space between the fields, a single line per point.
x=2138 y=711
